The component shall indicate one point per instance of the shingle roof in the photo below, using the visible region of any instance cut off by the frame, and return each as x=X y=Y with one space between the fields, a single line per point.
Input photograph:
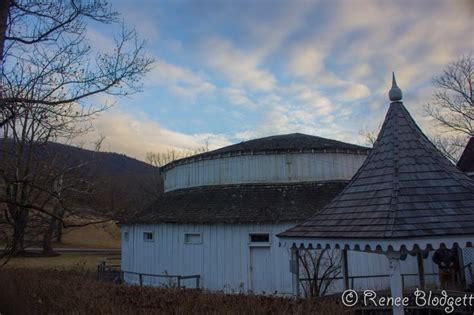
x=294 y=142
x=241 y=203
x=466 y=161
x=405 y=188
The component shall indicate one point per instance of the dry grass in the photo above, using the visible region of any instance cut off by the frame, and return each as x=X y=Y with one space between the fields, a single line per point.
x=105 y=235
x=67 y=261
x=28 y=291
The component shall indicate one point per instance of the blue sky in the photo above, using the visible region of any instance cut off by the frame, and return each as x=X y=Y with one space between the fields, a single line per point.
x=228 y=71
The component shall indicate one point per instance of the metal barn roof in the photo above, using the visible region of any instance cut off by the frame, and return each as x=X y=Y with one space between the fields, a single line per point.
x=405 y=189
x=294 y=142
x=244 y=203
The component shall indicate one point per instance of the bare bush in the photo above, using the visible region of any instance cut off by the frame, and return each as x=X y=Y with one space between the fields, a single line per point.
x=320 y=269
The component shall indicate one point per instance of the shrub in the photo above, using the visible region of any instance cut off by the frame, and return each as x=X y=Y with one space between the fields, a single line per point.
x=31 y=291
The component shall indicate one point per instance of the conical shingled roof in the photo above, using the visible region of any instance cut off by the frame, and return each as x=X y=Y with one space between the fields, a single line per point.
x=405 y=189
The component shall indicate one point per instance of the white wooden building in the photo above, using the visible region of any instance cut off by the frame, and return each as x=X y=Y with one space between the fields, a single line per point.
x=221 y=212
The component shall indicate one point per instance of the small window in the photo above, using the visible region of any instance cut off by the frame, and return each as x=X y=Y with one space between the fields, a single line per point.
x=259 y=239
x=148 y=236
x=192 y=238
x=125 y=236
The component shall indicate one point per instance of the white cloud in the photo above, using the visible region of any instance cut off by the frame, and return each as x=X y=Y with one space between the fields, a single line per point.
x=355 y=91
x=361 y=70
x=306 y=60
x=241 y=68
x=330 y=74
x=305 y=96
x=182 y=81
x=239 y=97
x=135 y=136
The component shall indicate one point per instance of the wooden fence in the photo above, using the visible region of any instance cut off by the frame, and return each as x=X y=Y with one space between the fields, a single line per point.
x=178 y=278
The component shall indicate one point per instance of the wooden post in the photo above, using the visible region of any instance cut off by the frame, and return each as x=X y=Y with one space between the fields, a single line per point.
x=345 y=269
x=141 y=279
x=295 y=272
x=396 y=286
x=461 y=272
x=179 y=281
x=421 y=269
x=197 y=281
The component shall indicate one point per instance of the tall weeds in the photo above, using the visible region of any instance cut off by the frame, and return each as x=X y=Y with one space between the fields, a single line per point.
x=34 y=291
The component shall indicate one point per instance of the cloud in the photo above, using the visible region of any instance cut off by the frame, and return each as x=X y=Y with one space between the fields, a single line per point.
x=361 y=70
x=239 y=67
x=355 y=91
x=137 y=135
x=306 y=61
x=144 y=17
x=322 y=68
x=310 y=99
x=180 y=80
x=239 y=97
x=269 y=34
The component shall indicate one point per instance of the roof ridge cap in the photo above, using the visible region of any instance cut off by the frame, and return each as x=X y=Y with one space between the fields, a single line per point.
x=392 y=213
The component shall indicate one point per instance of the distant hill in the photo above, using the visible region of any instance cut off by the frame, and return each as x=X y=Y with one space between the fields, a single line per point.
x=104 y=163
x=99 y=163
x=122 y=181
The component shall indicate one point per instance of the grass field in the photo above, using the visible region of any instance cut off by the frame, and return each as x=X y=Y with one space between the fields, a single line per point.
x=86 y=262
x=106 y=235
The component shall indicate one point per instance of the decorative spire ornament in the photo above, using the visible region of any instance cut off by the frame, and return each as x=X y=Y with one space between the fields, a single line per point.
x=395 y=94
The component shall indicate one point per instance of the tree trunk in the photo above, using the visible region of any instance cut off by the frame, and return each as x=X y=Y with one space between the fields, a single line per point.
x=4 y=8
x=59 y=233
x=48 y=236
x=18 y=244
x=19 y=227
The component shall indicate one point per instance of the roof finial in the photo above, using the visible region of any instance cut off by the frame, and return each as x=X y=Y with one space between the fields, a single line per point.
x=395 y=94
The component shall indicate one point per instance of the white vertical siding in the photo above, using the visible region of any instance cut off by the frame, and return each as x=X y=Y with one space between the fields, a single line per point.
x=222 y=259
x=270 y=168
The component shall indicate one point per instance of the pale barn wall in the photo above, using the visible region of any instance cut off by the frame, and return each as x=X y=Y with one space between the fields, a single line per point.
x=264 y=168
x=223 y=259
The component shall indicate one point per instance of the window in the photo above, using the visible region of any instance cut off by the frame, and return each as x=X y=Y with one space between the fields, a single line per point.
x=125 y=236
x=259 y=239
x=148 y=236
x=192 y=238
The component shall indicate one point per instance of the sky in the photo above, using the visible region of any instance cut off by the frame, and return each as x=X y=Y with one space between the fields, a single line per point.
x=230 y=71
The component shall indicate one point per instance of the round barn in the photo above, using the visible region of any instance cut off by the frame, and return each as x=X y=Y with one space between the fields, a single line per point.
x=216 y=224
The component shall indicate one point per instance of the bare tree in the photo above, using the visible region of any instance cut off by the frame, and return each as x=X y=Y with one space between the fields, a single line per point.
x=162 y=158
x=320 y=269
x=452 y=106
x=370 y=136
x=41 y=185
x=48 y=73
x=51 y=35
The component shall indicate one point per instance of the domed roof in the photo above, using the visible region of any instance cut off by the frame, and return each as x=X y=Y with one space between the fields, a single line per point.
x=293 y=142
